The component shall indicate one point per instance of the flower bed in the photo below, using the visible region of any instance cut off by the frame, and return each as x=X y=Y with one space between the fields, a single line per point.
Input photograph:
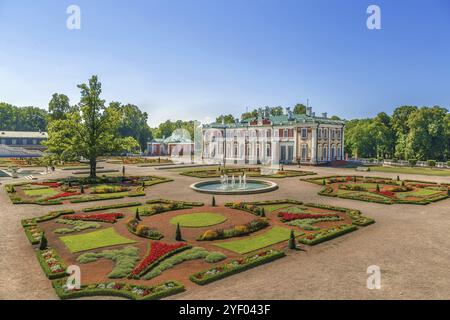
x=158 y=252
x=119 y=289
x=357 y=218
x=51 y=263
x=235 y=266
x=101 y=217
x=33 y=233
x=327 y=234
x=63 y=195
x=135 y=227
x=236 y=231
x=286 y=216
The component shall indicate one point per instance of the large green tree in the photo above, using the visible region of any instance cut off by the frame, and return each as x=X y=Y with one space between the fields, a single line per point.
x=227 y=118
x=22 y=119
x=90 y=131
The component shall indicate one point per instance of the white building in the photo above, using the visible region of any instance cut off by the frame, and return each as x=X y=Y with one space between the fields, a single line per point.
x=266 y=139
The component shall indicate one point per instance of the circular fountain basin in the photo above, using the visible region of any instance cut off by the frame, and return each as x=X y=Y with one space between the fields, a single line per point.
x=251 y=187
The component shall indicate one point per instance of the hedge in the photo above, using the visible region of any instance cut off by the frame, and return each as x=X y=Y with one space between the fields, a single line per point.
x=85 y=291
x=185 y=203
x=113 y=206
x=271 y=255
x=346 y=228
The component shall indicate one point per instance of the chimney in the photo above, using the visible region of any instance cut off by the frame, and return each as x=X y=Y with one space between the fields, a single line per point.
x=324 y=115
x=308 y=111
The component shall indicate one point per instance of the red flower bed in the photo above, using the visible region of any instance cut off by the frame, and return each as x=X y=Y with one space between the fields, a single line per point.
x=63 y=195
x=387 y=193
x=102 y=217
x=157 y=250
x=286 y=216
x=48 y=184
x=349 y=178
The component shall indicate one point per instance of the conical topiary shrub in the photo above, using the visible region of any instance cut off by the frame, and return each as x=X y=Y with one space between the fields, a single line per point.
x=178 y=236
x=398 y=178
x=292 y=244
x=43 y=243
x=137 y=215
x=378 y=187
x=213 y=202
x=262 y=212
x=82 y=189
x=324 y=182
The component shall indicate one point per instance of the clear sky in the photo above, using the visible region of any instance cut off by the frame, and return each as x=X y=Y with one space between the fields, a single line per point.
x=191 y=59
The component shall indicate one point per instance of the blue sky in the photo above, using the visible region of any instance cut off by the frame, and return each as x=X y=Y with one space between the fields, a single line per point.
x=192 y=59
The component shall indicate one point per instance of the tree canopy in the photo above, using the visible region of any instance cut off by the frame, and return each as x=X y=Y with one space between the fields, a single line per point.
x=13 y=118
x=410 y=133
x=90 y=131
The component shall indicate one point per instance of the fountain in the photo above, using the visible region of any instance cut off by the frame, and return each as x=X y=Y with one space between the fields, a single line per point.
x=229 y=186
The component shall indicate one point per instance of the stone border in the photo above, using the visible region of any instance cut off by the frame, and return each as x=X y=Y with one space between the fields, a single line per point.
x=270 y=186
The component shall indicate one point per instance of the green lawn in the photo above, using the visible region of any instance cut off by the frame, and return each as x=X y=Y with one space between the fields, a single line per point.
x=274 y=207
x=197 y=220
x=273 y=236
x=47 y=192
x=413 y=170
x=92 y=240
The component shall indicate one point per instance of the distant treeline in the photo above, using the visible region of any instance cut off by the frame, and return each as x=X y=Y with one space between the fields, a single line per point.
x=409 y=133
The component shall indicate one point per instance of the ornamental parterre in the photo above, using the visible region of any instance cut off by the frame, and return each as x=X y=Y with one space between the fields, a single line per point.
x=251 y=234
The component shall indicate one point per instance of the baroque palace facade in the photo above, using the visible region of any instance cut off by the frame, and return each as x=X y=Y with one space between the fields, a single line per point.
x=266 y=139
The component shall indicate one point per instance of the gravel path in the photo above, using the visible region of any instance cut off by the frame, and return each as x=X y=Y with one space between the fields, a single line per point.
x=409 y=243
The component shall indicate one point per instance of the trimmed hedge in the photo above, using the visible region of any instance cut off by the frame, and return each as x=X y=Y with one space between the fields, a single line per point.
x=235 y=267
x=325 y=234
x=113 y=206
x=185 y=203
x=170 y=288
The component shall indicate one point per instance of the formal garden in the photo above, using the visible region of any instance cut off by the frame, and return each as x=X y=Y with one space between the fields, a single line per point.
x=77 y=190
x=382 y=190
x=153 y=249
x=217 y=171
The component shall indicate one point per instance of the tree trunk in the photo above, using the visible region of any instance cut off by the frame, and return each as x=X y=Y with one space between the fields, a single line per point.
x=93 y=168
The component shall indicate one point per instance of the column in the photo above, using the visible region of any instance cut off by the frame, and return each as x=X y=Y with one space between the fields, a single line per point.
x=314 y=145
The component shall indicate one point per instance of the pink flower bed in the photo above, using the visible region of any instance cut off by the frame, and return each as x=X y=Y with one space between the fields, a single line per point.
x=286 y=216
x=101 y=217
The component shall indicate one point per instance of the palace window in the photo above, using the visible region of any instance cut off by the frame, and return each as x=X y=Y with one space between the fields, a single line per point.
x=319 y=133
x=304 y=152
x=268 y=133
x=304 y=133
x=13 y=141
x=268 y=151
x=325 y=133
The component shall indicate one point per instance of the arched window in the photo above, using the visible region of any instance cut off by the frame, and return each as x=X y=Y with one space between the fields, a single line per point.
x=325 y=153
x=319 y=153
x=304 y=154
x=333 y=152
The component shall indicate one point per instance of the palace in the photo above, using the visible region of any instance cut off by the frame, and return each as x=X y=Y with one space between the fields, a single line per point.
x=266 y=139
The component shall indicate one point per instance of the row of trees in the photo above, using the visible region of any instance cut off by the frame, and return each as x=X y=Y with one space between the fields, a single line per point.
x=409 y=133
x=13 y=118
